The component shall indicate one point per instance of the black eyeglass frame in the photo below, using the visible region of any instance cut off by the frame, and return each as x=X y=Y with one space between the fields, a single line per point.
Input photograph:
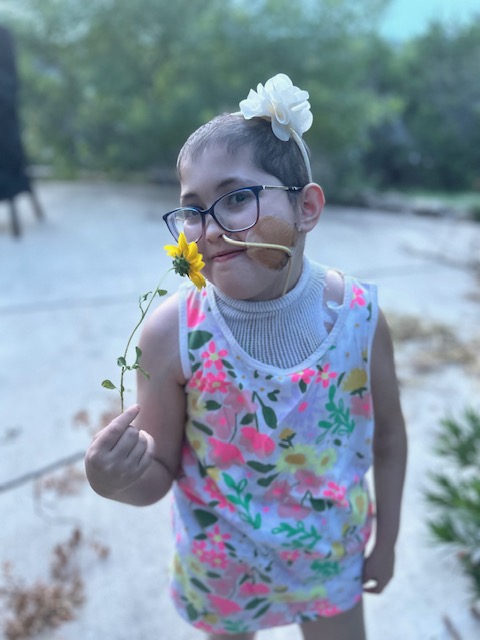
x=169 y=217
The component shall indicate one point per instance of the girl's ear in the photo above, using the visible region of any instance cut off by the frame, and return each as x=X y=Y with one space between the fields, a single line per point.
x=311 y=206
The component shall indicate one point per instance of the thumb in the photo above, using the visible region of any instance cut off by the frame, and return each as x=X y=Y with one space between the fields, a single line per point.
x=149 y=440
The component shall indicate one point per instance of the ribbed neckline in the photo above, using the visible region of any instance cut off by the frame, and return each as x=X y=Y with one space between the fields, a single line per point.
x=268 y=306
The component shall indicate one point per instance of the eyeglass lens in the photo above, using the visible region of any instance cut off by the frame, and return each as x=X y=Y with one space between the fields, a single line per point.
x=234 y=211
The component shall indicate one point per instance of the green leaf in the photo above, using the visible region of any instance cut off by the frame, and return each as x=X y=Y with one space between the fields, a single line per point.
x=211 y=405
x=234 y=500
x=202 y=427
x=263 y=610
x=265 y=482
x=138 y=352
x=227 y=364
x=162 y=292
x=320 y=505
x=229 y=481
x=108 y=384
x=242 y=485
x=257 y=523
x=269 y=416
x=248 y=418
x=145 y=373
x=303 y=386
x=197 y=339
x=204 y=518
x=121 y=362
x=254 y=603
x=199 y=585
x=260 y=467
x=273 y=395
x=192 y=613
x=323 y=424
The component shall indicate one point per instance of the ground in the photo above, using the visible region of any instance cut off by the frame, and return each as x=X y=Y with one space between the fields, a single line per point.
x=68 y=293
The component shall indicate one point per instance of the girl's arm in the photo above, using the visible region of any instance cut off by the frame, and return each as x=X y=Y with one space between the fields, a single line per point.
x=137 y=464
x=390 y=455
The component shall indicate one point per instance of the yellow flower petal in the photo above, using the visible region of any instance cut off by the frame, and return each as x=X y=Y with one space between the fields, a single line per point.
x=187 y=260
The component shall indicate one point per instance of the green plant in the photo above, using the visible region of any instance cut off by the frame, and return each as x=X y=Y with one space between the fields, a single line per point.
x=455 y=495
x=186 y=262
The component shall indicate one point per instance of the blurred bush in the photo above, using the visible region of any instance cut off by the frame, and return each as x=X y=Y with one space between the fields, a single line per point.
x=116 y=86
x=455 y=493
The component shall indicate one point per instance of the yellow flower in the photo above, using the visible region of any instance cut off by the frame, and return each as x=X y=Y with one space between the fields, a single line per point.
x=338 y=550
x=356 y=381
x=315 y=593
x=306 y=458
x=187 y=261
x=358 y=499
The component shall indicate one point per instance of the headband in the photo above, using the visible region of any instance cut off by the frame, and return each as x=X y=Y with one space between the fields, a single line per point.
x=286 y=106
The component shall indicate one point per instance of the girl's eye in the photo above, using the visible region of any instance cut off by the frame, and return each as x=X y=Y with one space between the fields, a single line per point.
x=240 y=198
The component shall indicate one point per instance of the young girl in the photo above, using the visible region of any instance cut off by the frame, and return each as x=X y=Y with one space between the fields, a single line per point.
x=271 y=392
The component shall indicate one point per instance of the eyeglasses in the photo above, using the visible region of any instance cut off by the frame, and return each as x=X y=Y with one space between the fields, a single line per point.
x=235 y=211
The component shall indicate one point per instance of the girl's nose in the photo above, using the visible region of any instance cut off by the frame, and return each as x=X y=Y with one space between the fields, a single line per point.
x=212 y=230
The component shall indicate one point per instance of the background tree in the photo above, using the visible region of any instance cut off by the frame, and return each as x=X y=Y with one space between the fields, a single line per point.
x=434 y=140
x=117 y=85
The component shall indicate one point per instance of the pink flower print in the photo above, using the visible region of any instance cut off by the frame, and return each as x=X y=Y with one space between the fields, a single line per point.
x=199 y=549
x=222 y=421
x=218 y=538
x=290 y=556
x=292 y=510
x=197 y=381
x=325 y=375
x=216 y=382
x=279 y=490
x=238 y=401
x=326 y=609
x=272 y=619
x=216 y=559
x=222 y=585
x=307 y=481
x=187 y=485
x=224 y=606
x=250 y=589
x=304 y=376
x=204 y=626
x=358 y=297
x=255 y=442
x=212 y=357
x=212 y=489
x=224 y=454
x=194 y=313
x=337 y=493
x=362 y=406
x=302 y=407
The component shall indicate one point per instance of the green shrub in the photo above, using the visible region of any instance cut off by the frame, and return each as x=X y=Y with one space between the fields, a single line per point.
x=455 y=494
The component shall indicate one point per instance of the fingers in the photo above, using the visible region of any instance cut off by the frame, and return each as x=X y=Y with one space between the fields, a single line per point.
x=372 y=586
x=110 y=435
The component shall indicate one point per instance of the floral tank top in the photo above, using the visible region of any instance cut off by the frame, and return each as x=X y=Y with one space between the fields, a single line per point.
x=271 y=512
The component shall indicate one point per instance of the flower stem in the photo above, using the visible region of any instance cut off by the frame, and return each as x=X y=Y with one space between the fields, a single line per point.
x=144 y=312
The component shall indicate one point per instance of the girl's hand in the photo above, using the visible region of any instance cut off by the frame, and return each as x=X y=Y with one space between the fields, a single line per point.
x=378 y=569
x=118 y=455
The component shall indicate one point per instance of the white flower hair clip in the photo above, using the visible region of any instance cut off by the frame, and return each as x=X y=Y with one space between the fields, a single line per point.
x=286 y=106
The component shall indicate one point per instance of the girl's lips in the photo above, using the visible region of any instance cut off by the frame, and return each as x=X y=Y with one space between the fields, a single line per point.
x=228 y=255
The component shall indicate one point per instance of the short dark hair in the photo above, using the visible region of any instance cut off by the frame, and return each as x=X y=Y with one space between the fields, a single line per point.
x=281 y=159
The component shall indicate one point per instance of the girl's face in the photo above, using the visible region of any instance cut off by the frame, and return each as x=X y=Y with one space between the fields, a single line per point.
x=211 y=175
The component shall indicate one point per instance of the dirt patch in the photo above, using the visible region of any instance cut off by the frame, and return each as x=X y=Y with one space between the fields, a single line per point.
x=431 y=344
